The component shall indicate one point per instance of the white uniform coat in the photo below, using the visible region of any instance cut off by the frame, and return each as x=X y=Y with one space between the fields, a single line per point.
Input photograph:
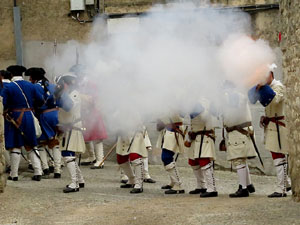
x=198 y=123
x=236 y=112
x=167 y=139
x=76 y=143
x=135 y=143
x=276 y=107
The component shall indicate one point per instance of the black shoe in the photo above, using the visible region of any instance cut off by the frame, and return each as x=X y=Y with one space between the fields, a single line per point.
x=88 y=163
x=13 y=178
x=97 y=167
x=124 y=181
x=197 y=191
x=57 y=175
x=51 y=169
x=127 y=186
x=30 y=167
x=166 y=187
x=46 y=172
x=7 y=170
x=171 y=192
x=149 y=180
x=250 y=188
x=240 y=193
x=68 y=189
x=288 y=188
x=136 y=190
x=209 y=194
x=277 y=195
x=37 y=177
x=81 y=185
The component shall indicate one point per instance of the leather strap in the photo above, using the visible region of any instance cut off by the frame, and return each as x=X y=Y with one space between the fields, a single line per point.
x=50 y=110
x=239 y=128
x=275 y=119
x=208 y=133
x=20 y=118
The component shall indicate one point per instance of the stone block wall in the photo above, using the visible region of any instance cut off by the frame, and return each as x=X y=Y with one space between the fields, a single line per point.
x=290 y=26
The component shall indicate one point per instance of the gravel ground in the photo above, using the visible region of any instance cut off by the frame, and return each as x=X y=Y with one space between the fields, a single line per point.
x=103 y=202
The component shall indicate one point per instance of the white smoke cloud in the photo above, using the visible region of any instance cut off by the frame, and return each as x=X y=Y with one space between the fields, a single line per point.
x=166 y=61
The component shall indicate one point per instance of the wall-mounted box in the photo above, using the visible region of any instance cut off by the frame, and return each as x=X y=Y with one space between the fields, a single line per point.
x=77 y=5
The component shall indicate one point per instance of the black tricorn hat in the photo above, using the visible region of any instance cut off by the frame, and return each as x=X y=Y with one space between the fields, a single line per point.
x=35 y=73
x=16 y=70
x=5 y=74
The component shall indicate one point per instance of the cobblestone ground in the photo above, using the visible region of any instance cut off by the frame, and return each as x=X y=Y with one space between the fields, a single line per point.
x=103 y=202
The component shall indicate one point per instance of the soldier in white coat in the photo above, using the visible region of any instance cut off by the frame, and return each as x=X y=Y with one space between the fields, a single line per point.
x=171 y=141
x=147 y=177
x=240 y=147
x=275 y=130
x=131 y=150
x=71 y=138
x=201 y=149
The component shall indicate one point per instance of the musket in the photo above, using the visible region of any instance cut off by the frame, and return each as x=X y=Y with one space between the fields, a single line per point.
x=278 y=131
x=79 y=160
x=36 y=153
x=177 y=155
x=108 y=153
x=51 y=157
x=71 y=127
x=256 y=149
x=131 y=142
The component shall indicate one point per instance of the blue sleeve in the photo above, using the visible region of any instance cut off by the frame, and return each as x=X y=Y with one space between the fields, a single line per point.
x=38 y=93
x=50 y=96
x=65 y=102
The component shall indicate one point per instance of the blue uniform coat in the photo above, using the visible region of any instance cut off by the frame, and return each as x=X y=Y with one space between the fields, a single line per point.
x=48 y=119
x=13 y=99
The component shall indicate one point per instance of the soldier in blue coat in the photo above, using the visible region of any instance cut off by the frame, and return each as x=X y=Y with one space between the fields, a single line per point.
x=19 y=97
x=5 y=79
x=48 y=144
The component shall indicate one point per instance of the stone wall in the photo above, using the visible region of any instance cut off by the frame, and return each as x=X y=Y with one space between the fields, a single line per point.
x=2 y=159
x=290 y=26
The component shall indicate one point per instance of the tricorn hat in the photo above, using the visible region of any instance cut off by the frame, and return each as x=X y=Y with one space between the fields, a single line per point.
x=16 y=70
x=35 y=73
x=5 y=74
x=67 y=78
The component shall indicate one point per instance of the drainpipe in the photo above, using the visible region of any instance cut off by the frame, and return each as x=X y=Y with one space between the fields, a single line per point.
x=18 y=33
